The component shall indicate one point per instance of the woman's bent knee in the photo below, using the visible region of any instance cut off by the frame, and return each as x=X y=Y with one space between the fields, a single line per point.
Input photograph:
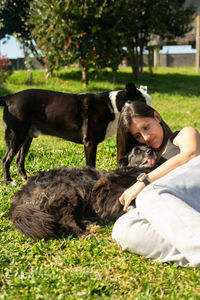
x=134 y=233
x=126 y=231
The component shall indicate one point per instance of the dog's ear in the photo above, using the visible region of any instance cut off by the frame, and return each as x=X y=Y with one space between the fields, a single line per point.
x=123 y=162
x=130 y=86
x=133 y=93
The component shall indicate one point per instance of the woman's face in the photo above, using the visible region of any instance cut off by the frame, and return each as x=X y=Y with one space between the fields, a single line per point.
x=147 y=130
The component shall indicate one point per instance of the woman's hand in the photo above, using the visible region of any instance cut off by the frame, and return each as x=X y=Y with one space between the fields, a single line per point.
x=130 y=194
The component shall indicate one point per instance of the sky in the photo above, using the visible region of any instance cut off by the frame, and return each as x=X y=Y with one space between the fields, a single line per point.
x=12 y=49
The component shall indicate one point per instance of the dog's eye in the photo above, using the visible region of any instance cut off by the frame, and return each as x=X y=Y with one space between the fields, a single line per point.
x=137 y=151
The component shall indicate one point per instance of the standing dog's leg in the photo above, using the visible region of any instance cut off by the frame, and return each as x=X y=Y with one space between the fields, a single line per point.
x=90 y=153
x=14 y=144
x=90 y=146
x=6 y=161
x=21 y=157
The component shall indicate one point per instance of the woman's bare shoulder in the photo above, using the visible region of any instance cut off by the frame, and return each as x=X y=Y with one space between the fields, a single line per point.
x=187 y=136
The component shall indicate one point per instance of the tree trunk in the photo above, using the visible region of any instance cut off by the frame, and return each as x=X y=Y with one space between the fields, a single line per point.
x=28 y=64
x=150 y=61
x=114 y=73
x=84 y=71
x=141 y=61
x=136 y=60
x=48 y=71
x=30 y=77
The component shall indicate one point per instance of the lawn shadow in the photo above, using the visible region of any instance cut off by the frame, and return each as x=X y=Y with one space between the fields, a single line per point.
x=4 y=91
x=163 y=83
x=119 y=79
x=173 y=83
x=170 y=83
x=74 y=74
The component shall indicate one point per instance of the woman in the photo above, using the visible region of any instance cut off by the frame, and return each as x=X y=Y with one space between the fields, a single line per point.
x=166 y=222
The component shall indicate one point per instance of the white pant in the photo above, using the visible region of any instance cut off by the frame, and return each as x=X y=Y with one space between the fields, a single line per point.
x=165 y=225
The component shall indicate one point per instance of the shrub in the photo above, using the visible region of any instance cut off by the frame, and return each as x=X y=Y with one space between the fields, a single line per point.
x=5 y=68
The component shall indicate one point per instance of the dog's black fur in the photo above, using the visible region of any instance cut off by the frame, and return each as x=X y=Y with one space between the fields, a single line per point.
x=80 y=118
x=57 y=202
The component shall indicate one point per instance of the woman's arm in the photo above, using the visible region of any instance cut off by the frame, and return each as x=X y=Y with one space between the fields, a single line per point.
x=188 y=141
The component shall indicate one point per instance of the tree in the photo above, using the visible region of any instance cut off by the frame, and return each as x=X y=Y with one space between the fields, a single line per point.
x=80 y=32
x=166 y=18
x=92 y=33
x=13 y=14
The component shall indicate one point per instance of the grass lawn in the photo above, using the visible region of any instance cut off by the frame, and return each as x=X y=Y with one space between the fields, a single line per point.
x=92 y=267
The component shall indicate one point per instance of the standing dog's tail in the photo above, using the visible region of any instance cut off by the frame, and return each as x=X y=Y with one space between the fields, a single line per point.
x=32 y=222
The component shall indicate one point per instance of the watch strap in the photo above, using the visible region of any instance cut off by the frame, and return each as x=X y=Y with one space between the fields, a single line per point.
x=146 y=181
x=143 y=178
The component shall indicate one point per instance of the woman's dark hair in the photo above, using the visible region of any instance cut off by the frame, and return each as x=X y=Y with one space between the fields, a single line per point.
x=125 y=141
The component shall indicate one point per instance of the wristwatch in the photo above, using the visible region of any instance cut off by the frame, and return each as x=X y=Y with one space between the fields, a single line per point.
x=143 y=178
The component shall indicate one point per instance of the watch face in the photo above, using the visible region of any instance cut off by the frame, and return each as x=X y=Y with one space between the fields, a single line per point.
x=141 y=176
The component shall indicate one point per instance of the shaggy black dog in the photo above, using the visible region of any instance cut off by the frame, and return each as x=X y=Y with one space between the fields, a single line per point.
x=60 y=201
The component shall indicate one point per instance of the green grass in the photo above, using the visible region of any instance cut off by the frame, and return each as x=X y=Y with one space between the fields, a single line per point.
x=92 y=267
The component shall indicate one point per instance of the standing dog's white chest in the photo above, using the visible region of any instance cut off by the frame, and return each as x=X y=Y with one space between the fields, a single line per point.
x=112 y=126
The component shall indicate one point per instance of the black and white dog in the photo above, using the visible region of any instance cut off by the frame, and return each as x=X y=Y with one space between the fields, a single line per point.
x=62 y=201
x=81 y=118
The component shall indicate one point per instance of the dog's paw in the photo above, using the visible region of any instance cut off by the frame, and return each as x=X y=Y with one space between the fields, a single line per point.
x=94 y=228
